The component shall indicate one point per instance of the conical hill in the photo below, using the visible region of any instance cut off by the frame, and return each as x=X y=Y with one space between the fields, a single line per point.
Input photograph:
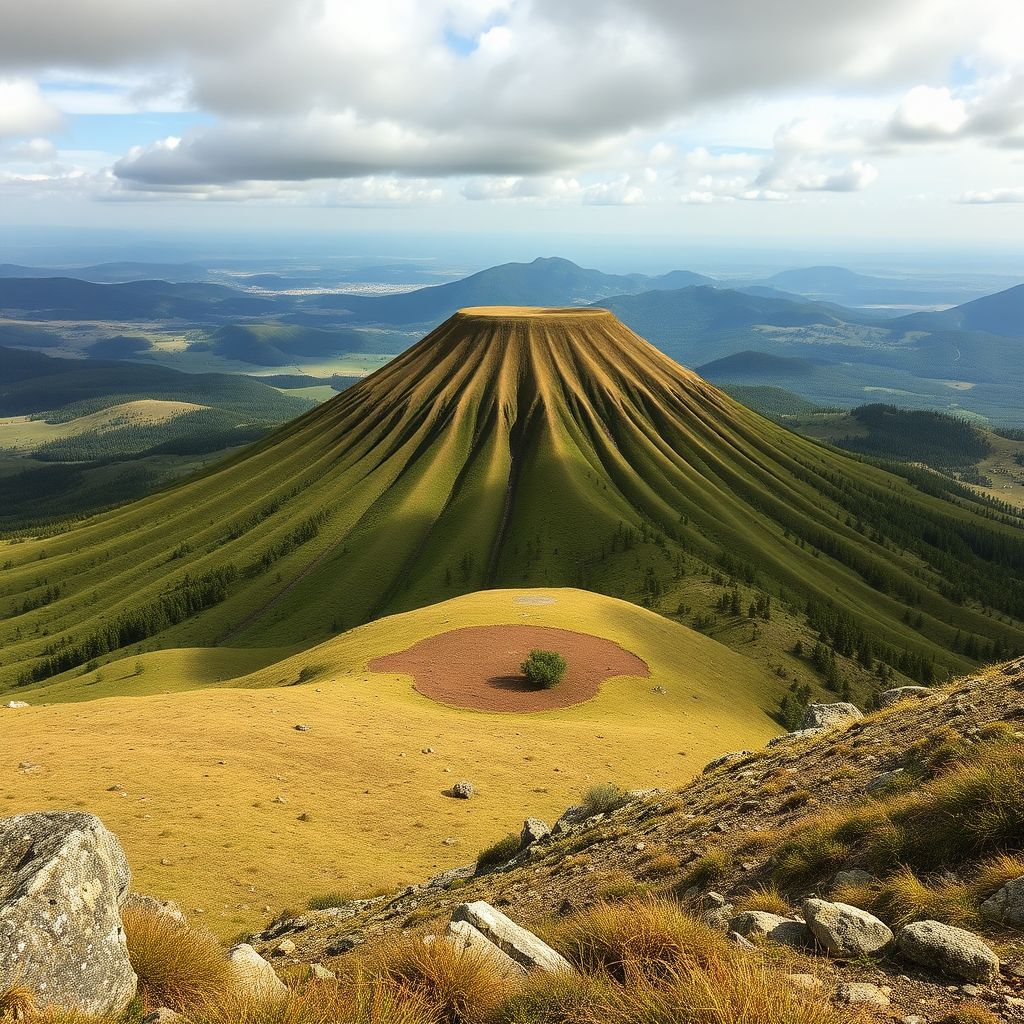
x=524 y=447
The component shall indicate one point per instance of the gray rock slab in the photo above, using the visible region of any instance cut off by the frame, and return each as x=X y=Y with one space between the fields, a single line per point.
x=845 y=931
x=62 y=878
x=799 y=734
x=464 y=936
x=521 y=945
x=953 y=951
x=719 y=762
x=760 y=924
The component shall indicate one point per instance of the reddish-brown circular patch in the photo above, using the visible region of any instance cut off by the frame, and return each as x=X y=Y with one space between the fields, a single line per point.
x=479 y=667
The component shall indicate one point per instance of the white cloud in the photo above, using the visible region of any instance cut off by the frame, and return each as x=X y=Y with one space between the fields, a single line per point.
x=996 y=195
x=36 y=151
x=533 y=101
x=927 y=113
x=24 y=111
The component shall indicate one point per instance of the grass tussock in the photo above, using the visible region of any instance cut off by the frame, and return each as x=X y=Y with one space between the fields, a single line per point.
x=604 y=798
x=328 y=901
x=358 y=1000
x=17 y=1004
x=178 y=966
x=969 y=809
x=706 y=870
x=458 y=986
x=666 y=969
x=764 y=898
x=644 y=936
x=903 y=897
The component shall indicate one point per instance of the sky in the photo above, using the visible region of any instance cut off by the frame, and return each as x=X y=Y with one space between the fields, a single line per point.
x=715 y=119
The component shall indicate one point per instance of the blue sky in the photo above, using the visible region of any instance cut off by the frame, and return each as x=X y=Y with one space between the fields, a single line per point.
x=883 y=119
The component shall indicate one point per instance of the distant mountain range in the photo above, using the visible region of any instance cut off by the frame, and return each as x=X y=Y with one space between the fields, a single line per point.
x=968 y=357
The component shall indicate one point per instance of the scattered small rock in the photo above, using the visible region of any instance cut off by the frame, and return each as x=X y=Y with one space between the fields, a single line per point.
x=321 y=973
x=805 y=982
x=284 y=948
x=462 y=789
x=344 y=944
x=900 y=693
x=161 y=1015
x=16 y=704
x=861 y=992
x=303 y=728
x=427 y=750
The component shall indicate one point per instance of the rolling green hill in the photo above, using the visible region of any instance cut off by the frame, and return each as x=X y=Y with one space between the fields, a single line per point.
x=523 y=447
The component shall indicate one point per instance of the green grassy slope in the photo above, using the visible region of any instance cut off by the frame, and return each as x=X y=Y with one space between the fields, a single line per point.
x=518 y=447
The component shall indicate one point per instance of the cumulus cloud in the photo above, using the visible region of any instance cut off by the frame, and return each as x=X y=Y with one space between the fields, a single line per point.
x=525 y=98
x=24 y=111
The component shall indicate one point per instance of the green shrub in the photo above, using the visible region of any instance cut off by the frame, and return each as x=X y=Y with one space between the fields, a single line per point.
x=544 y=668
x=498 y=853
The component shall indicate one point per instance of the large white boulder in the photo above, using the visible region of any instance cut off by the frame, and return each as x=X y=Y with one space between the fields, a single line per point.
x=63 y=876
x=521 y=945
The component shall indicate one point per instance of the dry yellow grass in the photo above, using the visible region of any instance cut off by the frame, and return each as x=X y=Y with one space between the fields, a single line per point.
x=252 y=813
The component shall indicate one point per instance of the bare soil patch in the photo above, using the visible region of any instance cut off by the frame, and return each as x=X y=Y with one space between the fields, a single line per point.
x=478 y=667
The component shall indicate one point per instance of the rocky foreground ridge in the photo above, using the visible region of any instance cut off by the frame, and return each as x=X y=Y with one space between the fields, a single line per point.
x=876 y=860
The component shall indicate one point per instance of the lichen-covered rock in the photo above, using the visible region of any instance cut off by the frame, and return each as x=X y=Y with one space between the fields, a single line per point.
x=1006 y=905
x=570 y=818
x=533 y=830
x=252 y=976
x=521 y=945
x=953 y=951
x=62 y=878
x=829 y=716
x=878 y=782
x=759 y=923
x=845 y=931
